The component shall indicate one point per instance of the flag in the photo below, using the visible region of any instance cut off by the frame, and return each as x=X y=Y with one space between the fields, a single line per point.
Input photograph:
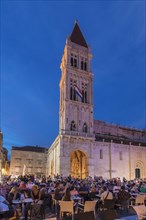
x=78 y=92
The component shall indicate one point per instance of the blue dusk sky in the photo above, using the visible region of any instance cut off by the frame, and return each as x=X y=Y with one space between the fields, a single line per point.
x=33 y=36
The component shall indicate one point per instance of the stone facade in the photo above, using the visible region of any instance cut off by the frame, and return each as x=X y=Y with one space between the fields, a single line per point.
x=1 y=155
x=4 y=164
x=86 y=146
x=28 y=160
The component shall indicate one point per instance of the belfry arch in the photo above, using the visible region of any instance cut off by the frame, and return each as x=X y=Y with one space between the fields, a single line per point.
x=78 y=164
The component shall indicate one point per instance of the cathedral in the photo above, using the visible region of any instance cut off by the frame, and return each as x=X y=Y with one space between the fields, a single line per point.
x=85 y=146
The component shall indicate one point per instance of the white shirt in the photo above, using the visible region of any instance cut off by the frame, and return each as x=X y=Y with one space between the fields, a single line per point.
x=104 y=195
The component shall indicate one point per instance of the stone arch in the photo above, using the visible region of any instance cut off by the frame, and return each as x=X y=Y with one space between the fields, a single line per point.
x=139 y=165
x=78 y=164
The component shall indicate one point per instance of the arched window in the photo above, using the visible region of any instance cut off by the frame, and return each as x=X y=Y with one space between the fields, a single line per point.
x=72 y=89
x=74 y=94
x=73 y=126
x=83 y=64
x=101 y=154
x=85 y=96
x=73 y=60
x=85 y=129
x=71 y=93
x=84 y=92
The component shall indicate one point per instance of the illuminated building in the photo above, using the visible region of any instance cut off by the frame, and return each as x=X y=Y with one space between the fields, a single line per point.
x=28 y=160
x=86 y=146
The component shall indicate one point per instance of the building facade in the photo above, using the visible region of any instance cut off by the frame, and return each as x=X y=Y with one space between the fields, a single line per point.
x=1 y=155
x=28 y=160
x=86 y=146
x=4 y=163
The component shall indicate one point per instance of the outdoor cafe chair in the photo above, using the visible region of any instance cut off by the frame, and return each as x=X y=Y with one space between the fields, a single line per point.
x=88 y=206
x=140 y=211
x=140 y=199
x=66 y=206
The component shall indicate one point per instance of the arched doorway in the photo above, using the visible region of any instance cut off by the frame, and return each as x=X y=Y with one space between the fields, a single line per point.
x=137 y=173
x=78 y=164
x=139 y=169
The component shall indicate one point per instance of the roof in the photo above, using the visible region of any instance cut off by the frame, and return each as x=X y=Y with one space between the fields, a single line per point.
x=31 y=148
x=77 y=36
x=119 y=139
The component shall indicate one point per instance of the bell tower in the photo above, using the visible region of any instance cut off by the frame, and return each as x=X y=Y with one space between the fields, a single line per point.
x=76 y=97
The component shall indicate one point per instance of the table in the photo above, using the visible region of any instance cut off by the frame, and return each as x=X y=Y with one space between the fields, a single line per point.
x=27 y=200
x=3 y=207
x=2 y=199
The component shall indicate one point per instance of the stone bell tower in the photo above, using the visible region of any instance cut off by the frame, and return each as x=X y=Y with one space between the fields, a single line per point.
x=76 y=97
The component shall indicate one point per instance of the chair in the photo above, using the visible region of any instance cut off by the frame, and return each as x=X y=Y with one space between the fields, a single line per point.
x=37 y=210
x=88 y=207
x=140 y=211
x=140 y=199
x=66 y=206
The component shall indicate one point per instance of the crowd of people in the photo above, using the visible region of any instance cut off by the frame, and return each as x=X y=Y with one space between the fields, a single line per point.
x=47 y=189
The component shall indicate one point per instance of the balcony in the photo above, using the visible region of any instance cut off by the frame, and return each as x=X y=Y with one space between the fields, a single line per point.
x=75 y=133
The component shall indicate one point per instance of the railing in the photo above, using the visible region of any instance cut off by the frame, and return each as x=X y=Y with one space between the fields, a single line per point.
x=75 y=133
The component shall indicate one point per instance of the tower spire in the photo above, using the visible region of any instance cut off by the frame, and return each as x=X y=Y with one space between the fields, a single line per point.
x=77 y=36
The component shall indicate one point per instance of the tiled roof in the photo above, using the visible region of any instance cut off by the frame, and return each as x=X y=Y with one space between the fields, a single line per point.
x=119 y=139
x=30 y=148
x=77 y=36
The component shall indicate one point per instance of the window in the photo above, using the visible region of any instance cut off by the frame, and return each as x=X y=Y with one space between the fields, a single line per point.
x=29 y=169
x=101 y=154
x=84 y=92
x=120 y=155
x=39 y=170
x=29 y=161
x=72 y=89
x=39 y=162
x=17 y=169
x=73 y=126
x=18 y=160
x=83 y=64
x=73 y=60
x=85 y=129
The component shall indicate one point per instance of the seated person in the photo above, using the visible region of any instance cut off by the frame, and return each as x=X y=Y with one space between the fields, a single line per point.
x=123 y=197
x=106 y=194
x=57 y=192
x=15 y=193
x=123 y=194
x=73 y=191
x=67 y=196
x=34 y=192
